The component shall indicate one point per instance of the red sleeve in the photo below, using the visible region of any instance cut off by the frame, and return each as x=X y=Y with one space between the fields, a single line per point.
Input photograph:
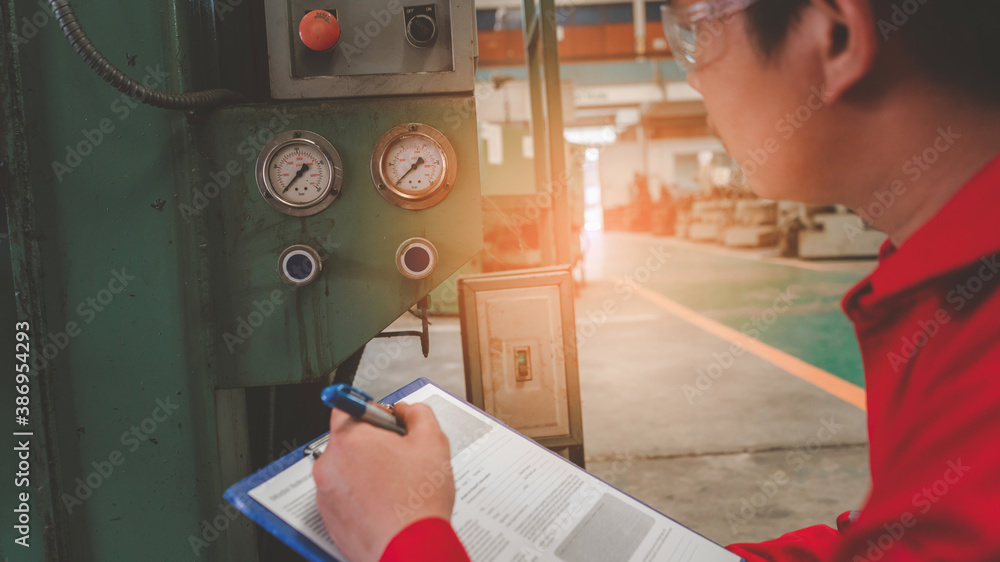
x=812 y=544
x=427 y=540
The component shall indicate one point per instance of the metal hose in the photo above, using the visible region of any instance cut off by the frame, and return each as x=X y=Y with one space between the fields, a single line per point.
x=110 y=73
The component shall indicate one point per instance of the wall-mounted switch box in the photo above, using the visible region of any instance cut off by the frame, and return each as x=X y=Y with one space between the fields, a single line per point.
x=519 y=345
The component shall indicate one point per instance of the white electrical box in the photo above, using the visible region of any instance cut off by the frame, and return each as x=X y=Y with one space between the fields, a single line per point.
x=519 y=345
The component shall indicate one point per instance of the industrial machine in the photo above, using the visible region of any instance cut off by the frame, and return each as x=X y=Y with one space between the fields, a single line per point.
x=188 y=275
x=826 y=232
x=709 y=219
x=755 y=225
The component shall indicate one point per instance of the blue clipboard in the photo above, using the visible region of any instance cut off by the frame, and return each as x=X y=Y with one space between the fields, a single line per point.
x=238 y=494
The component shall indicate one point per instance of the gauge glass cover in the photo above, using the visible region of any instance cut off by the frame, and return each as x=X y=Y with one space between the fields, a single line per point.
x=414 y=166
x=299 y=173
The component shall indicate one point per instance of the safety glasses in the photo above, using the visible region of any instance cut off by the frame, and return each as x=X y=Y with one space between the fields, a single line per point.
x=695 y=31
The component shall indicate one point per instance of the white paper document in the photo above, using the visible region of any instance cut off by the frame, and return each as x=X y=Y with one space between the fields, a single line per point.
x=515 y=501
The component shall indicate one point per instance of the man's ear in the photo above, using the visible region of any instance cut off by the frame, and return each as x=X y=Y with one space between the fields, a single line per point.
x=849 y=42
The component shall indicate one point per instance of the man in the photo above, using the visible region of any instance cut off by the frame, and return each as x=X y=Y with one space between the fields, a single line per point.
x=892 y=109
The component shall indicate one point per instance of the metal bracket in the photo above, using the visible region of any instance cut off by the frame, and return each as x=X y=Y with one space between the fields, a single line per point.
x=424 y=334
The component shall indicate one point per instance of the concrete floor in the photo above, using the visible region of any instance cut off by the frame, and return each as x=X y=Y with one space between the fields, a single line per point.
x=758 y=453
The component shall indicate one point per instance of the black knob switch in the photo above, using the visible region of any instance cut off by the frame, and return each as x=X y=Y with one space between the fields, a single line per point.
x=421 y=30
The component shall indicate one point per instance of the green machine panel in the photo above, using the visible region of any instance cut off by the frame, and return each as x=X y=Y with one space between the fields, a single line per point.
x=360 y=290
x=171 y=352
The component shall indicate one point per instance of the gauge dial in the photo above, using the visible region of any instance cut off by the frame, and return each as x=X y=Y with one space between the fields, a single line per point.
x=414 y=166
x=299 y=173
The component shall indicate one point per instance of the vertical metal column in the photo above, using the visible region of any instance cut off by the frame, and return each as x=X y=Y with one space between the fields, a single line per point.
x=541 y=51
x=639 y=24
x=551 y=178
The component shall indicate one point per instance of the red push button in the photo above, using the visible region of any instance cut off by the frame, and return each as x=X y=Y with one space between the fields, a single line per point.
x=319 y=30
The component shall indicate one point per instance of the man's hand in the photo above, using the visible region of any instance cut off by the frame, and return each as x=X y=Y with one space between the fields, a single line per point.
x=372 y=483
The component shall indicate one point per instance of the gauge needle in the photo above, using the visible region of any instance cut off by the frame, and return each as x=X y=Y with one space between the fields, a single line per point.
x=415 y=165
x=298 y=175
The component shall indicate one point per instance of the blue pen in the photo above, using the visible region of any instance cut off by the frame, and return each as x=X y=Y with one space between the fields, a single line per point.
x=361 y=407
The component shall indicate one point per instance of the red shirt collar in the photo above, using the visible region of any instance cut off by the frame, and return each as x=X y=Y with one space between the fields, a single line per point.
x=965 y=230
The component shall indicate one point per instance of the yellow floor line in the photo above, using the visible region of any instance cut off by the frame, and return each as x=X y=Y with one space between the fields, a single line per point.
x=831 y=383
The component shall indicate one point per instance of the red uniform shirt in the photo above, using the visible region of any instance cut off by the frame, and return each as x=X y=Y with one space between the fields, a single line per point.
x=928 y=323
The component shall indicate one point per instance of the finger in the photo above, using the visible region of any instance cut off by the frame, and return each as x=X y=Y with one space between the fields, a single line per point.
x=339 y=420
x=418 y=418
x=347 y=432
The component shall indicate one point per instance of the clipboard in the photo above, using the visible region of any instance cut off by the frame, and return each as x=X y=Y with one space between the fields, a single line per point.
x=238 y=494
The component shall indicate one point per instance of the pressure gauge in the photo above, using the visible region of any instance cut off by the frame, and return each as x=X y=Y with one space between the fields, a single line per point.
x=414 y=166
x=299 y=173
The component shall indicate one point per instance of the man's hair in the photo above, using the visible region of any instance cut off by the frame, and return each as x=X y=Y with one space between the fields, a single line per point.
x=955 y=41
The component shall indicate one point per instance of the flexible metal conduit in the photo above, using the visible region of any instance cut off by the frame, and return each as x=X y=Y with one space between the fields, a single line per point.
x=110 y=73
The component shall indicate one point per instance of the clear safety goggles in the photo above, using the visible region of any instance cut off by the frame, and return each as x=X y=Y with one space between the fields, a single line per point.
x=695 y=31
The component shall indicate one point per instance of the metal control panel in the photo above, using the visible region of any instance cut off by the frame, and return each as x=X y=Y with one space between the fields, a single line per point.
x=381 y=48
x=237 y=257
